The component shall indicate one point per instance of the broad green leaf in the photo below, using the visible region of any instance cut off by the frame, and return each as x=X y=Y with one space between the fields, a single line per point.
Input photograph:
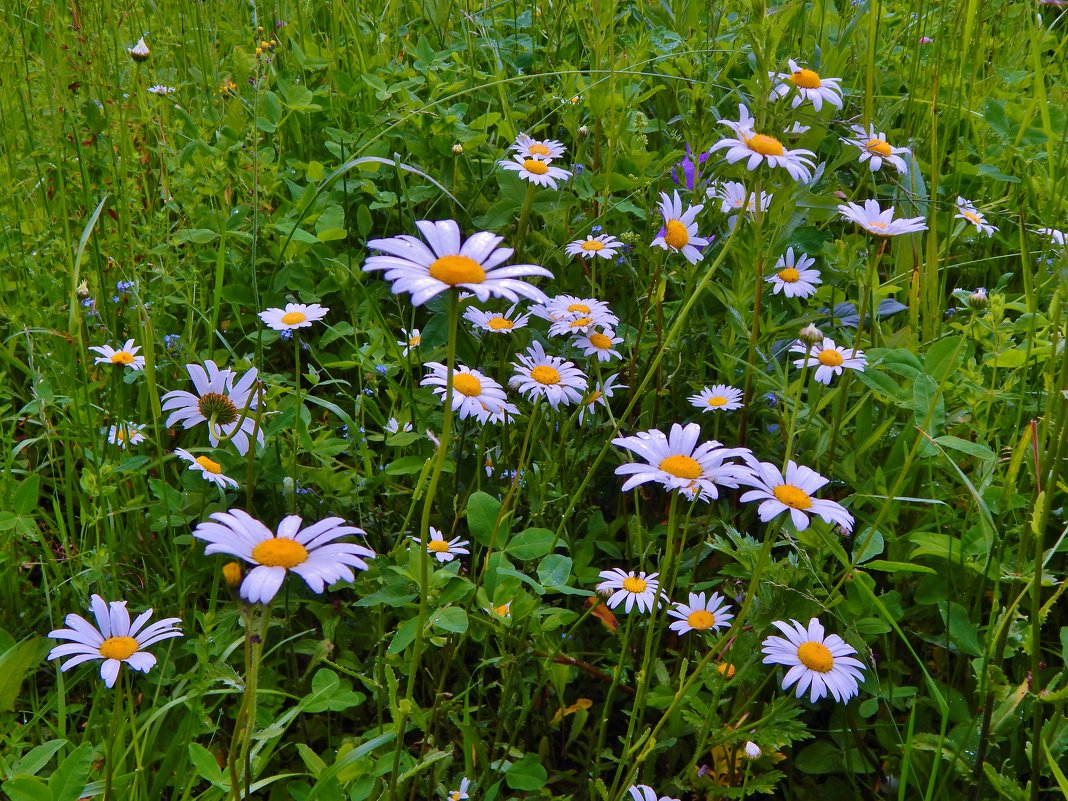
x=482 y=511
x=204 y=761
x=68 y=781
x=526 y=774
x=36 y=758
x=554 y=570
x=452 y=619
x=15 y=663
x=531 y=543
x=962 y=632
x=26 y=788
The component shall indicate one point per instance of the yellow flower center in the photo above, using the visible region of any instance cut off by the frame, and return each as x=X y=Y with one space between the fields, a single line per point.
x=830 y=357
x=634 y=584
x=681 y=466
x=503 y=609
x=280 y=552
x=701 y=619
x=806 y=79
x=726 y=670
x=581 y=322
x=975 y=218
x=413 y=342
x=877 y=224
x=544 y=374
x=594 y=397
x=794 y=497
x=789 y=275
x=121 y=435
x=500 y=323
x=466 y=384
x=582 y=308
x=538 y=149
x=122 y=357
x=717 y=400
x=600 y=341
x=592 y=244
x=118 y=647
x=536 y=167
x=217 y=405
x=453 y=270
x=209 y=466
x=676 y=235
x=764 y=145
x=438 y=546
x=879 y=147
x=815 y=656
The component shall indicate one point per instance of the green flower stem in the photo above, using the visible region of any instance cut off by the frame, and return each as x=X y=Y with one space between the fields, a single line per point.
x=113 y=734
x=524 y=216
x=602 y=729
x=296 y=422
x=257 y=620
x=754 y=331
x=792 y=427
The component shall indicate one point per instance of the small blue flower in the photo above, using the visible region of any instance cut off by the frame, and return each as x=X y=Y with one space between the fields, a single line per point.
x=382 y=369
x=596 y=230
x=171 y=341
x=772 y=399
x=578 y=169
x=89 y=303
x=122 y=286
x=287 y=334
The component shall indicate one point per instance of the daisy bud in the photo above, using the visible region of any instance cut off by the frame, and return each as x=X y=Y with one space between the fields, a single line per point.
x=457 y=149
x=978 y=300
x=811 y=335
x=752 y=750
x=140 y=51
x=584 y=130
x=232 y=574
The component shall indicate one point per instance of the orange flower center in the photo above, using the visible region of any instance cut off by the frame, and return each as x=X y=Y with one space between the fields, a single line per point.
x=594 y=397
x=676 y=235
x=582 y=308
x=877 y=224
x=209 y=466
x=294 y=318
x=466 y=384
x=806 y=79
x=438 y=546
x=764 y=145
x=538 y=149
x=414 y=341
x=600 y=341
x=635 y=584
x=830 y=357
x=726 y=670
x=681 y=466
x=794 y=497
x=879 y=147
x=789 y=275
x=544 y=374
x=118 y=647
x=701 y=619
x=592 y=244
x=717 y=400
x=500 y=323
x=581 y=322
x=536 y=167
x=280 y=552
x=122 y=357
x=815 y=656
x=453 y=270
x=975 y=218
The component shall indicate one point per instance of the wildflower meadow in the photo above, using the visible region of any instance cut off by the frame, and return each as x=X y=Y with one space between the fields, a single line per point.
x=607 y=401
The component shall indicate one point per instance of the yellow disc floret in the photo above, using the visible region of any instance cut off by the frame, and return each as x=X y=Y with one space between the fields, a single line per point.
x=794 y=497
x=676 y=235
x=701 y=619
x=467 y=384
x=681 y=466
x=806 y=79
x=453 y=270
x=879 y=147
x=209 y=466
x=764 y=145
x=535 y=167
x=635 y=584
x=544 y=374
x=830 y=357
x=294 y=318
x=789 y=275
x=122 y=357
x=280 y=552
x=815 y=656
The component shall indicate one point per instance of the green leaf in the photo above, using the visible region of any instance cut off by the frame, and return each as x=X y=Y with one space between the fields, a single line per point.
x=531 y=543
x=526 y=774
x=330 y=693
x=204 y=761
x=25 y=500
x=451 y=618
x=36 y=758
x=403 y=638
x=198 y=236
x=898 y=567
x=26 y=788
x=962 y=632
x=944 y=357
x=15 y=663
x=964 y=446
x=68 y=782
x=482 y=511
x=867 y=544
x=928 y=407
x=404 y=466
x=554 y=570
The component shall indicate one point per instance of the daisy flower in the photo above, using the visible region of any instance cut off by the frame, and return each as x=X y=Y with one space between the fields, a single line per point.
x=394 y=427
x=473 y=265
x=631 y=590
x=792 y=277
x=574 y=325
x=966 y=211
x=756 y=148
x=539 y=375
x=465 y=783
x=874 y=220
x=677 y=462
x=503 y=610
x=752 y=750
x=718 y=398
x=599 y=344
x=220 y=401
x=311 y=553
x=643 y=792
x=160 y=89
x=139 y=52
x=699 y=614
x=126 y=356
x=442 y=549
x=736 y=198
x=793 y=494
x=495 y=322
x=114 y=639
x=569 y=307
x=126 y=434
x=809 y=86
x=211 y=470
x=530 y=148
x=294 y=315
x=600 y=395
x=1057 y=237
x=680 y=230
x=602 y=245
x=412 y=339
x=875 y=150
x=828 y=359
x=539 y=172
x=473 y=394
x=819 y=664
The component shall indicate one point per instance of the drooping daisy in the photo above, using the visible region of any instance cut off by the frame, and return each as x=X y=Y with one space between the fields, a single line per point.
x=539 y=172
x=809 y=86
x=599 y=397
x=461 y=794
x=569 y=307
x=161 y=90
x=294 y=315
x=718 y=398
x=312 y=553
x=209 y=469
x=699 y=614
x=818 y=664
x=793 y=494
x=756 y=148
x=126 y=434
x=736 y=198
x=530 y=148
x=643 y=792
x=875 y=150
x=966 y=211
x=874 y=220
x=474 y=265
x=828 y=359
x=220 y=402
x=392 y=426
x=126 y=356
x=140 y=51
x=630 y=589
x=495 y=322
x=677 y=462
x=412 y=339
x=571 y=326
x=603 y=245
x=680 y=230
x=793 y=278
x=473 y=394
x=442 y=549
x=1057 y=237
x=539 y=375
x=114 y=639
x=599 y=344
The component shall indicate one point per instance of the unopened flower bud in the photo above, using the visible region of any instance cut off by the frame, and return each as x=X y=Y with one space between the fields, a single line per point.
x=232 y=574
x=457 y=149
x=752 y=750
x=140 y=51
x=978 y=300
x=810 y=335
x=584 y=130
